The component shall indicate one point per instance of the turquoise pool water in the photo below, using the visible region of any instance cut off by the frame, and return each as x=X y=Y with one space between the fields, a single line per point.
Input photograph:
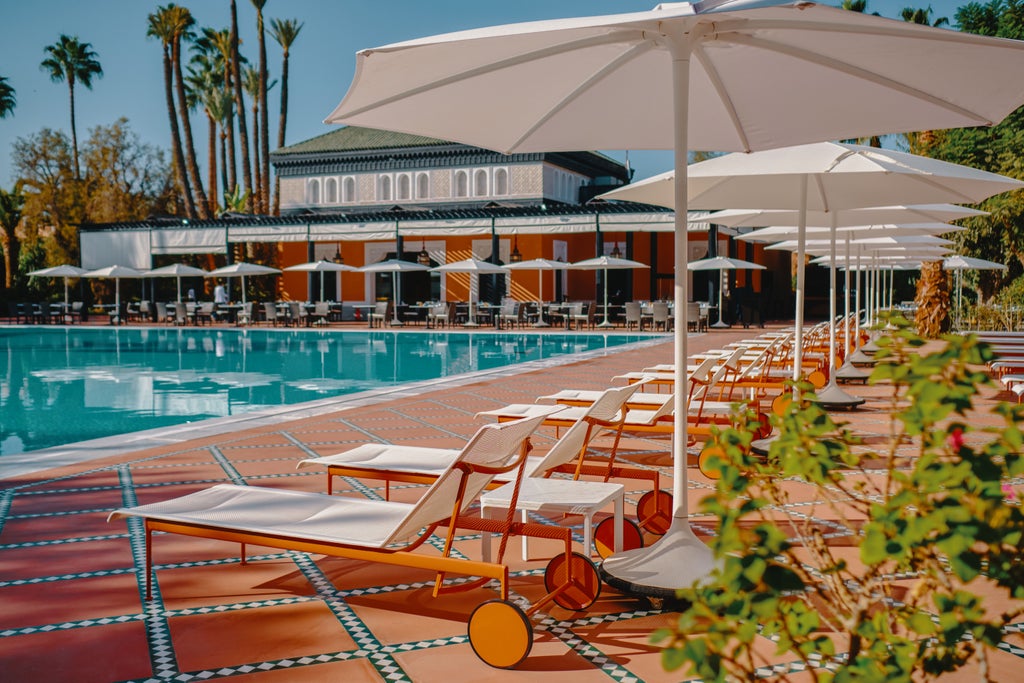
x=62 y=385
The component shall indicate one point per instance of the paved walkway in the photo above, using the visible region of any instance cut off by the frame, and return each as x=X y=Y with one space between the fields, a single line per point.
x=70 y=583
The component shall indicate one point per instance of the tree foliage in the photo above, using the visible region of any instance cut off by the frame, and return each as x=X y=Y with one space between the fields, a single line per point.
x=8 y=98
x=72 y=61
x=933 y=532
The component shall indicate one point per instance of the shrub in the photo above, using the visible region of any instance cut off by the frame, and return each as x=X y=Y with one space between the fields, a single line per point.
x=931 y=530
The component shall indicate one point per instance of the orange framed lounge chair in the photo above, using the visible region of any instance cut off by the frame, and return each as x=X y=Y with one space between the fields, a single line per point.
x=390 y=532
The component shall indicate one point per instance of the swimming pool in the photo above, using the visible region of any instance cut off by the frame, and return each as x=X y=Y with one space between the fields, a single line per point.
x=61 y=385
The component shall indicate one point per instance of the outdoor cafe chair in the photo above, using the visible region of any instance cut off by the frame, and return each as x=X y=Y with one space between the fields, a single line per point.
x=390 y=532
x=632 y=316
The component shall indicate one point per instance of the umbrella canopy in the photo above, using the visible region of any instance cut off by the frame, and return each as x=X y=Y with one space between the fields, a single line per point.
x=322 y=267
x=959 y=262
x=776 y=233
x=242 y=269
x=871 y=242
x=394 y=266
x=872 y=215
x=117 y=273
x=474 y=266
x=722 y=263
x=702 y=71
x=178 y=271
x=606 y=263
x=540 y=265
x=64 y=270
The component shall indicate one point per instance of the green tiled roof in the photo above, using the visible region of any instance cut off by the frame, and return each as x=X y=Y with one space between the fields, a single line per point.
x=356 y=138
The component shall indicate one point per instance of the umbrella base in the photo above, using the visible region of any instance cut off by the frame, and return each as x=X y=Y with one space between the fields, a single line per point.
x=762 y=446
x=721 y=325
x=675 y=561
x=851 y=373
x=858 y=357
x=471 y=324
x=833 y=397
x=397 y=323
x=605 y=325
x=541 y=325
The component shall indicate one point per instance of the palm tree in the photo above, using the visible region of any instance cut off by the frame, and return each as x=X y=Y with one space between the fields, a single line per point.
x=10 y=215
x=205 y=86
x=922 y=16
x=181 y=21
x=74 y=62
x=284 y=32
x=161 y=27
x=7 y=99
x=217 y=45
x=251 y=86
x=243 y=133
x=220 y=105
x=264 y=125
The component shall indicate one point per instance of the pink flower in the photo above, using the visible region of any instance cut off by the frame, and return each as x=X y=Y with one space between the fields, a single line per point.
x=956 y=439
x=1011 y=495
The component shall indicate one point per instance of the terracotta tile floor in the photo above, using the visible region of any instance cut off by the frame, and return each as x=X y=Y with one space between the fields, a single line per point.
x=70 y=584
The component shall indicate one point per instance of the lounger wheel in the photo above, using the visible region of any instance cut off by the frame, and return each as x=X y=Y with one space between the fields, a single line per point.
x=818 y=378
x=604 y=536
x=500 y=633
x=764 y=426
x=581 y=575
x=780 y=404
x=654 y=512
x=704 y=459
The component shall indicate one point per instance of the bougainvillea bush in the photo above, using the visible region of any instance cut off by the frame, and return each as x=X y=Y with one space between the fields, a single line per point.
x=929 y=569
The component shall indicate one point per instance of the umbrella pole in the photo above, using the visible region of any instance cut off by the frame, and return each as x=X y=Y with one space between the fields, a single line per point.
x=605 y=323
x=117 y=300
x=798 y=335
x=720 y=322
x=679 y=558
x=832 y=396
x=395 y=284
x=540 y=299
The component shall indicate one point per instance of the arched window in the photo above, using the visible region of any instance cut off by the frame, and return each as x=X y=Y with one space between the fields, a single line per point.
x=404 y=187
x=422 y=186
x=385 y=189
x=348 y=188
x=501 y=182
x=331 y=191
x=480 y=183
x=313 y=192
x=461 y=184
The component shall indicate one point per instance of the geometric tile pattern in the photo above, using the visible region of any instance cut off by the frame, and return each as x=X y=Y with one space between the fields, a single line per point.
x=54 y=542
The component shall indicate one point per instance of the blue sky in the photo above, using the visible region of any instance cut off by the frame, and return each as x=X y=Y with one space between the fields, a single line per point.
x=321 y=65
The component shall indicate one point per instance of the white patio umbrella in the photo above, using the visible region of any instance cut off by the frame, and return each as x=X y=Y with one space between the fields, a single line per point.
x=395 y=267
x=606 y=263
x=65 y=271
x=243 y=270
x=823 y=220
x=721 y=263
x=701 y=71
x=475 y=267
x=176 y=270
x=322 y=267
x=117 y=273
x=826 y=176
x=958 y=264
x=540 y=265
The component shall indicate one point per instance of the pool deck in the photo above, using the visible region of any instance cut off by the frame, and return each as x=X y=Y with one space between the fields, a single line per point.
x=70 y=583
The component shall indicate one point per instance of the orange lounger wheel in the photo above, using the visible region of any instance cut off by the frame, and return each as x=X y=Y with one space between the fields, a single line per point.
x=818 y=378
x=780 y=404
x=604 y=536
x=654 y=512
x=500 y=633
x=578 y=579
x=703 y=461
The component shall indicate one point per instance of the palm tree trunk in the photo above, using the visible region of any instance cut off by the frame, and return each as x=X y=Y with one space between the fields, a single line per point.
x=264 y=135
x=257 y=176
x=229 y=126
x=12 y=247
x=179 y=156
x=223 y=158
x=74 y=133
x=281 y=123
x=243 y=134
x=211 y=156
x=186 y=126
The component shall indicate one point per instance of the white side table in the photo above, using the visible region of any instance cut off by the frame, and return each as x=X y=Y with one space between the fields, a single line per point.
x=556 y=496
